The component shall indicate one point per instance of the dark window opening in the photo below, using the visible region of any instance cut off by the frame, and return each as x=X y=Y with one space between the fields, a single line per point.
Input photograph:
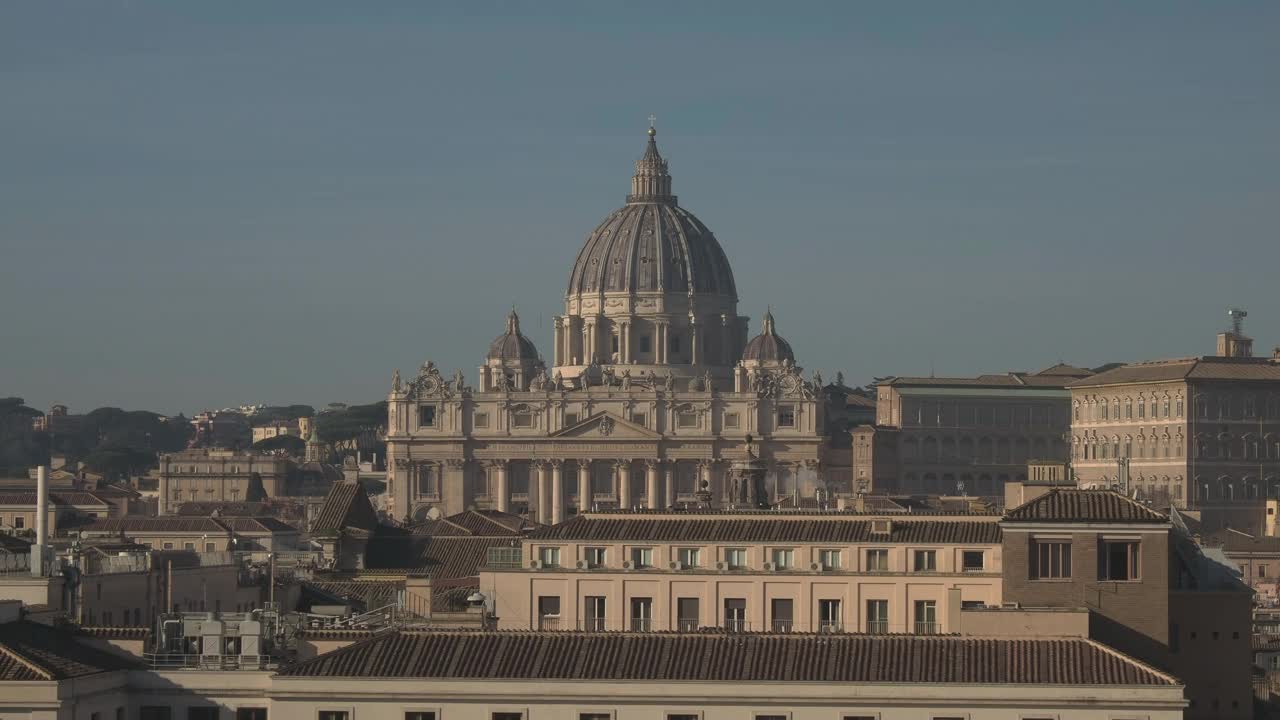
x=427 y=416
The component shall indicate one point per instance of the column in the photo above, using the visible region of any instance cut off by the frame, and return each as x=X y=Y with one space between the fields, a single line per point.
x=726 y=349
x=557 y=347
x=453 y=485
x=622 y=481
x=660 y=343
x=541 y=492
x=694 y=350
x=502 y=502
x=557 y=492
x=651 y=499
x=669 y=482
x=584 y=485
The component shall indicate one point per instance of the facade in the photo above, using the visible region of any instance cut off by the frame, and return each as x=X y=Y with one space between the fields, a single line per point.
x=66 y=508
x=1184 y=432
x=199 y=534
x=759 y=572
x=277 y=428
x=964 y=435
x=217 y=475
x=655 y=388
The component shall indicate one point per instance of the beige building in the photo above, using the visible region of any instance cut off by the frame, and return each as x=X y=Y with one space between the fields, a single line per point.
x=66 y=508
x=1186 y=432
x=200 y=534
x=217 y=475
x=792 y=572
x=943 y=435
x=277 y=428
x=655 y=388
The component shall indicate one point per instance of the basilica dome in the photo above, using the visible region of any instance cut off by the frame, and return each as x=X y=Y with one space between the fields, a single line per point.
x=512 y=344
x=651 y=244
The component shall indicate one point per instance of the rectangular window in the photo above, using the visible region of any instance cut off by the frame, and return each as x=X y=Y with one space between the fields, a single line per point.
x=522 y=420
x=188 y=546
x=641 y=558
x=570 y=419
x=877 y=617
x=783 y=559
x=877 y=560
x=926 y=617
x=549 y=612
x=787 y=416
x=19 y=522
x=595 y=716
x=735 y=614
x=926 y=561
x=972 y=561
x=736 y=558
x=689 y=557
x=641 y=614
x=594 y=557
x=593 y=613
x=687 y=420
x=731 y=420
x=505 y=716
x=685 y=716
x=426 y=416
x=639 y=418
x=829 y=616
x=829 y=559
x=1119 y=560
x=210 y=547
x=480 y=420
x=644 y=344
x=549 y=556
x=202 y=713
x=419 y=715
x=782 y=614
x=1050 y=559
x=333 y=715
x=688 y=618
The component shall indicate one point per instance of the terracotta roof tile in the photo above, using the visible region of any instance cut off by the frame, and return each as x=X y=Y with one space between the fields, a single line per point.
x=748 y=529
x=346 y=505
x=1195 y=368
x=1072 y=505
x=31 y=651
x=436 y=557
x=731 y=658
x=164 y=523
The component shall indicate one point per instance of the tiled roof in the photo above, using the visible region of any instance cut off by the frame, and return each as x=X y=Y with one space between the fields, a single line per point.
x=438 y=528
x=766 y=529
x=256 y=525
x=58 y=497
x=370 y=594
x=164 y=523
x=731 y=658
x=1094 y=506
x=1234 y=541
x=346 y=505
x=992 y=380
x=115 y=632
x=202 y=508
x=31 y=651
x=1195 y=368
x=14 y=544
x=452 y=599
x=1063 y=369
x=492 y=523
x=436 y=557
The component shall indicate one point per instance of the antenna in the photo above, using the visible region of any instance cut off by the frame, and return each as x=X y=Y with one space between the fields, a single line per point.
x=1237 y=316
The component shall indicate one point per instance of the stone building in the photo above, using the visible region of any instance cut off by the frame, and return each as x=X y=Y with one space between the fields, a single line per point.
x=217 y=475
x=655 y=387
x=959 y=434
x=1187 y=432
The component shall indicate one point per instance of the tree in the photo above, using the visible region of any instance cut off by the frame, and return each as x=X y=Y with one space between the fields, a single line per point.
x=119 y=461
x=291 y=444
x=286 y=413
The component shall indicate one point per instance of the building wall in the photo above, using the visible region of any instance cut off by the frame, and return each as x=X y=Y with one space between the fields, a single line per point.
x=517 y=592
x=216 y=475
x=980 y=436
x=1131 y=616
x=1211 y=643
x=134 y=599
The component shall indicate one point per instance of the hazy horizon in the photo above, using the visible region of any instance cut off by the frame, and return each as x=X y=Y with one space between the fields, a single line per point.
x=207 y=205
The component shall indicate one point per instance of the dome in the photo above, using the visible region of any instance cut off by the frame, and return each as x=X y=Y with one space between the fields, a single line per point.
x=768 y=346
x=512 y=345
x=651 y=244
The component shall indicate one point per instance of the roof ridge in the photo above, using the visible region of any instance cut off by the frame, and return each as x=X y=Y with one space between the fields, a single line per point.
x=1145 y=666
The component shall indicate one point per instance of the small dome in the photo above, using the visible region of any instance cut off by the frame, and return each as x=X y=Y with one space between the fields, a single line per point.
x=768 y=346
x=511 y=345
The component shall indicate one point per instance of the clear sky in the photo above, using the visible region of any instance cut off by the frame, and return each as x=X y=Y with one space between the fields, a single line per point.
x=206 y=204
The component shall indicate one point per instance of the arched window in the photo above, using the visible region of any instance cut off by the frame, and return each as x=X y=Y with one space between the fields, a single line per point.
x=1128 y=408
x=1142 y=407
x=1178 y=405
x=1106 y=410
x=1166 y=406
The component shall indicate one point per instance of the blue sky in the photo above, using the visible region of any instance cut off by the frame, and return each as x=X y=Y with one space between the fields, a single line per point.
x=204 y=204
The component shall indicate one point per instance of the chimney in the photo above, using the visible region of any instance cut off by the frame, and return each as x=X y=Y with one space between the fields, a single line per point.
x=42 y=515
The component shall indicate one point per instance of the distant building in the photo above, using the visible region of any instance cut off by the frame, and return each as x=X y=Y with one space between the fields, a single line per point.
x=221 y=429
x=204 y=475
x=277 y=428
x=940 y=435
x=1189 y=432
x=58 y=421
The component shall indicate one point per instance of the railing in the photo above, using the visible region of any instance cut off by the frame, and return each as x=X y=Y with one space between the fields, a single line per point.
x=783 y=626
x=687 y=624
x=549 y=622
x=877 y=627
x=926 y=628
x=593 y=624
x=641 y=624
x=736 y=624
x=830 y=626
x=176 y=661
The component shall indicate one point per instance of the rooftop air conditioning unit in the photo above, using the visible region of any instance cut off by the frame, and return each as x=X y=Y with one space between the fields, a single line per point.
x=722 y=566
x=535 y=564
x=816 y=567
x=1010 y=605
x=582 y=564
x=626 y=565
x=770 y=566
x=677 y=565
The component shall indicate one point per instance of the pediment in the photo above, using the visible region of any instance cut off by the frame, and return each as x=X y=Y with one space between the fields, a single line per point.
x=607 y=426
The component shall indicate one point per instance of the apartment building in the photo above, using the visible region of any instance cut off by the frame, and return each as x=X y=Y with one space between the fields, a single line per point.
x=754 y=571
x=199 y=534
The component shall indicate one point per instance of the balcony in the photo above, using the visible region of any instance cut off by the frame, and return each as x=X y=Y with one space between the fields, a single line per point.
x=549 y=622
x=877 y=627
x=830 y=626
x=736 y=624
x=687 y=625
x=641 y=624
x=927 y=628
x=782 y=626
x=593 y=624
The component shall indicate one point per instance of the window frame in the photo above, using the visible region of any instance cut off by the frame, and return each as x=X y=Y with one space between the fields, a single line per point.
x=349 y=711
x=435 y=418
x=637 y=550
x=1134 y=559
x=695 y=552
x=879 y=553
x=523 y=712
x=918 y=553
x=1065 y=573
x=416 y=709
x=729 y=552
x=822 y=558
x=964 y=566
x=545 y=551
x=787 y=411
x=603 y=560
